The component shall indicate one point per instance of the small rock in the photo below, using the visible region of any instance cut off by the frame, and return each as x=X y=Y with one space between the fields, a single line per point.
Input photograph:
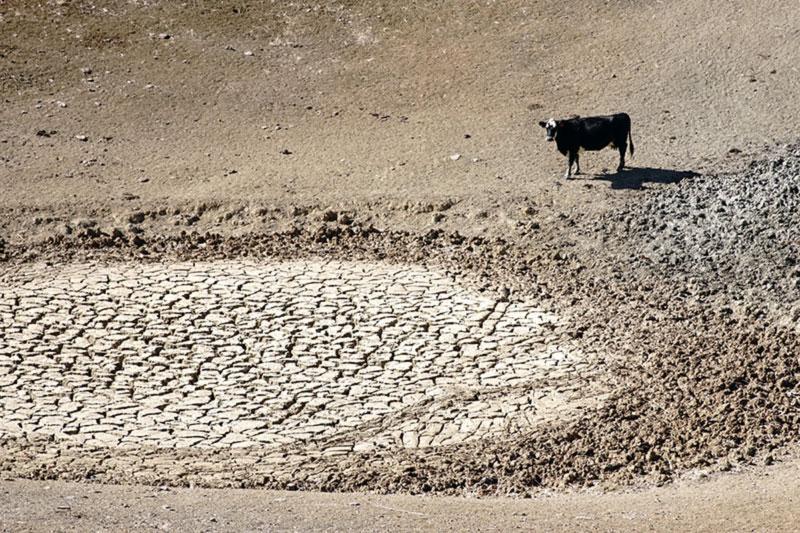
x=455 y=157
x=165 y=36
x=248 y=53
x=82 y=138
x=83 y=223
x=61 y=104
x=444 y=206
x=86 y=71
x=136 y=218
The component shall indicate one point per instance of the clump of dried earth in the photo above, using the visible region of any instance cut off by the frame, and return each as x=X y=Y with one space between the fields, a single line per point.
x=152 y=134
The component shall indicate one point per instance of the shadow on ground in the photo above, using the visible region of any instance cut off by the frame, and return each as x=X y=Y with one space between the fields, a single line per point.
x=635 y=178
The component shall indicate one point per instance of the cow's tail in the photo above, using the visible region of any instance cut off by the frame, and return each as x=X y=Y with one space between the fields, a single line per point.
x=630 y=140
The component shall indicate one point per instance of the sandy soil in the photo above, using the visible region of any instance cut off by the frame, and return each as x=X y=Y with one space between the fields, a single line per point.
x=766 y=500
x=408 y=132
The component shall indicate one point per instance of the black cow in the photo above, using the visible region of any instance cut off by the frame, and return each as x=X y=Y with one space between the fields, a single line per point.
x=590 y=133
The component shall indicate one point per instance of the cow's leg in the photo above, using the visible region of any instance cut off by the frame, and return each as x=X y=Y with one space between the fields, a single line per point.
x=577 y=163
x=572 y=157
x=622 y=148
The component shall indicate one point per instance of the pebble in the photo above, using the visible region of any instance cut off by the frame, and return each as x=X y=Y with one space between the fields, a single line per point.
x=136 y=217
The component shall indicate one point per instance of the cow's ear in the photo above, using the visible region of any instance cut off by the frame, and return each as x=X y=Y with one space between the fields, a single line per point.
x=543 y=124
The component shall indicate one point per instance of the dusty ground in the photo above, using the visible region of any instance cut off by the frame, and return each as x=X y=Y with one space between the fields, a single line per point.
x=373 y=101
x=766 y=500
x=149 y=133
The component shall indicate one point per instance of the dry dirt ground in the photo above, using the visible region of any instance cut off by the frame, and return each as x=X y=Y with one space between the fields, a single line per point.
x=137 y=136
x=742 y=502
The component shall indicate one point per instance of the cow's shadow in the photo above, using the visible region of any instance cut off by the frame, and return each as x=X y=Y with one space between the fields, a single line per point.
x=636 y=177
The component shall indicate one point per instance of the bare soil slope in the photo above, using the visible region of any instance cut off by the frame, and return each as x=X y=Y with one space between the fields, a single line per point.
x=387 y=110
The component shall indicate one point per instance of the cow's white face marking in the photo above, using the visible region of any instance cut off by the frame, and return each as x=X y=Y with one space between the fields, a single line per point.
x=550 y=128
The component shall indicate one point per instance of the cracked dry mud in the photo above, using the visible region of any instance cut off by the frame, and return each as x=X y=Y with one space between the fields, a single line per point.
x=313 y=357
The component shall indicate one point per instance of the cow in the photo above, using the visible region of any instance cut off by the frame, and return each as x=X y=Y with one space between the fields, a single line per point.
x=590 y=133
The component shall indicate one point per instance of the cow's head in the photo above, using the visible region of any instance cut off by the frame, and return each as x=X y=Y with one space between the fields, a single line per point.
x=551 y=127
